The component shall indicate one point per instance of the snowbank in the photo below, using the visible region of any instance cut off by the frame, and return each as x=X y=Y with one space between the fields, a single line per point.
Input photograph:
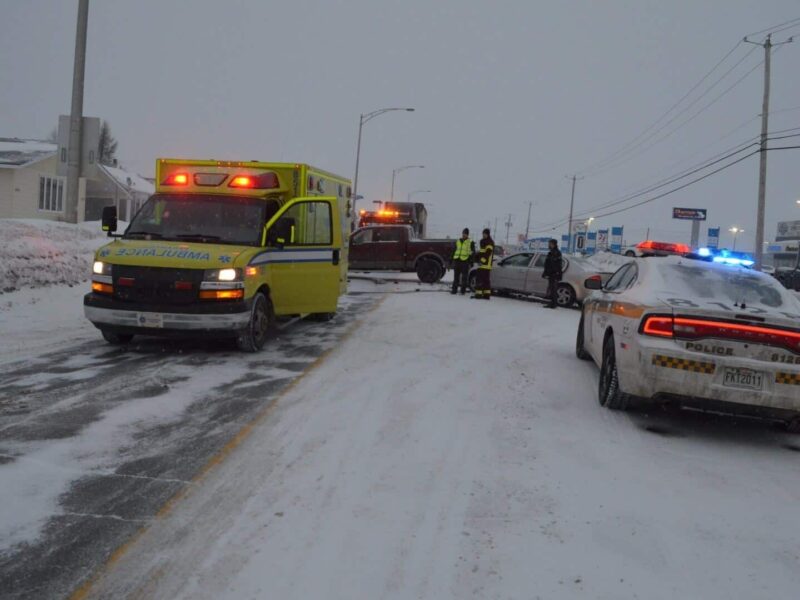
x=35 y=252
x=607 y=262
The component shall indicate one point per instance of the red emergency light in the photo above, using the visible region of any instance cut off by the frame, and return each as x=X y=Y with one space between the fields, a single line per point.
x=176 y=179
x=263 y=181
x=663 y=247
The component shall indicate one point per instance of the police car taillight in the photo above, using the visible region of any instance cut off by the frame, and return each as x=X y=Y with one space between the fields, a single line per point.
x=658 y=325
x=176 y=179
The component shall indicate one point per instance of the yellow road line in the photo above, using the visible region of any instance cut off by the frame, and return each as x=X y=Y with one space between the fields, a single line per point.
x=216 y=459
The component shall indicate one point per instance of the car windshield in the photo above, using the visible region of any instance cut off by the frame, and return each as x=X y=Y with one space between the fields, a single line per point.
x=735 y=286
x=202 y=218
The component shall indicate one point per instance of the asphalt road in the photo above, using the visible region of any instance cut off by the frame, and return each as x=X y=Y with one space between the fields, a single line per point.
x=91 y=417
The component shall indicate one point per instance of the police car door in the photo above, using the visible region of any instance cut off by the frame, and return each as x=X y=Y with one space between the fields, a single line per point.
x=602 y=303
x=304 y=247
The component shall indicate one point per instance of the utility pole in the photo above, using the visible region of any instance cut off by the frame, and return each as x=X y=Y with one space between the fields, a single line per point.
x=76 y=115
x=528 y=222
x=762 y=170
x=508 y=227
x=571 y=206
x=494 y=231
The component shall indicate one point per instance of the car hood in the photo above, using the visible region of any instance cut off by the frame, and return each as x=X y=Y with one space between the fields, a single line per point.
x=173 y=254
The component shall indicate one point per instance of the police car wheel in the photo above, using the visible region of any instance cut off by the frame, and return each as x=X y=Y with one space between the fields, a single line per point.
x=116 y=338
x=580 y=350
x=609 y=393
x=262 y=318
x=565 y=295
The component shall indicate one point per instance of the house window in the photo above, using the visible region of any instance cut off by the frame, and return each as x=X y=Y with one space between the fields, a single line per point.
x=51 y=194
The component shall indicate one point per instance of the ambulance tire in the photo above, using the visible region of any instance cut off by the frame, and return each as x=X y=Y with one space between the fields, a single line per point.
x=609 y=393
x=116 y=338
x=429 y=270
x=260 y=326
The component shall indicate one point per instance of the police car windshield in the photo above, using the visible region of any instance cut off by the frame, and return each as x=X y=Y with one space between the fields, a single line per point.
x=202 y=218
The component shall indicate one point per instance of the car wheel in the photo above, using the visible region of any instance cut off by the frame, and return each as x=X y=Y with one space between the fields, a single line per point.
x=473 y=279
x=429 y=271
x=630 y=253
x=116 y=338
x=565 y=295
x=580 y=350
x=609 y=393
x=261 y=324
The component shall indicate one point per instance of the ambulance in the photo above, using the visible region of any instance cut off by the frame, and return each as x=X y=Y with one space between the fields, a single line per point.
x=224 y=249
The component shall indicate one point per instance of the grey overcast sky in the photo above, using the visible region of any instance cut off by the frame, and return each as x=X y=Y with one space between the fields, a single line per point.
x=510 y=96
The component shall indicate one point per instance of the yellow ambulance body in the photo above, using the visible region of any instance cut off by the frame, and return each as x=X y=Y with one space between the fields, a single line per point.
x=222 y=249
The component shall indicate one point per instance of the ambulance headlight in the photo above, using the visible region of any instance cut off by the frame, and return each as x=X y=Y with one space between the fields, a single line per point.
x=223 y=275
x=101 y=268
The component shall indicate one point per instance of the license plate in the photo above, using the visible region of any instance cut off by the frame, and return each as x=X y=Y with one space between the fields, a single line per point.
x=148 y=319
x=743 y=378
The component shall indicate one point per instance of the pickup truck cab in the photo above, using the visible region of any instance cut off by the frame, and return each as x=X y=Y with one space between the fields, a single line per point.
x=396 y=248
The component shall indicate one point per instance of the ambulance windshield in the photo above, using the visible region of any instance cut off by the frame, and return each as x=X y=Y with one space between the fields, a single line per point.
x=202 y=218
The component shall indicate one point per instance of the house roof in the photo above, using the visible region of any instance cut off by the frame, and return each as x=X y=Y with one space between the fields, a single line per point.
x=129 y=181
x=15 y=152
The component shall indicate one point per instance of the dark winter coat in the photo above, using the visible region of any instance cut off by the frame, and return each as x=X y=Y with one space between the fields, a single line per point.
x=552 y=265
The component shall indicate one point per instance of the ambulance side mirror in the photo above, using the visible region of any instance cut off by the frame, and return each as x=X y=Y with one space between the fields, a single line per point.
x=109 y=219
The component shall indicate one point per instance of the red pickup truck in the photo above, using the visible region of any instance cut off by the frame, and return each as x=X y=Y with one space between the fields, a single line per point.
x=396 y=248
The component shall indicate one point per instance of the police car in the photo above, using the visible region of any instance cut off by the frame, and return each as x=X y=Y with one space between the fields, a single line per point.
x=703 y=335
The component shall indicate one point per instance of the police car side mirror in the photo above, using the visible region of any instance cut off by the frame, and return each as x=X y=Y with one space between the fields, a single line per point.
x=109 y=221
x=593 y=283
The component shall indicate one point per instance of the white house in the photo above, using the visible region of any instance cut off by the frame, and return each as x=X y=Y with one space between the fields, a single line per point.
x=30 y=187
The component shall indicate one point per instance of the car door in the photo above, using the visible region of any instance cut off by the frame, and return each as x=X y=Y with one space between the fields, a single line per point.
x=601 y=303
x=388 y=242
x=535 y=283
x=510 y=273
x=362 y=249
x=304 y=246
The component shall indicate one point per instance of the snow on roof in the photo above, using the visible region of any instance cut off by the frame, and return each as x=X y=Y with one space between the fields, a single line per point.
x=15 y=152
x=128 y=180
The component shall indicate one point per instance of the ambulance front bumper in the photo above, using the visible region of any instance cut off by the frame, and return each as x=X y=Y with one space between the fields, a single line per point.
x=156 y=320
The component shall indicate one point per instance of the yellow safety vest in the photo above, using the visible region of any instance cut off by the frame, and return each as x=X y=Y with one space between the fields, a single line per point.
x=463 y=249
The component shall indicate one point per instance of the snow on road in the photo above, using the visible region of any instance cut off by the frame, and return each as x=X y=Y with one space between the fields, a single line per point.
x=454 y=448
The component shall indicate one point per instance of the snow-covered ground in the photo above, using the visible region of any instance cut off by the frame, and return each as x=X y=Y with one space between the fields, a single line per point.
x=454 y=448
x=36 y=252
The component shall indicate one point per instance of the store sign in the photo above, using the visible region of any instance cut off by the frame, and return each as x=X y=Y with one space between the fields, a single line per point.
x=616 y=239
x=690 y=214
x=788 y=230
x=713 y=238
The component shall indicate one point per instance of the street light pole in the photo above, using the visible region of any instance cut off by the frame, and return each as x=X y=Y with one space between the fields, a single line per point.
x=398 y=170
x=364 y=118
x=735 y=231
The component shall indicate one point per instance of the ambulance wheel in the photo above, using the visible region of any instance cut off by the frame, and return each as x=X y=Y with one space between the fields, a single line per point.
x=580 y=349
x=429 y=271
x=565 y=295
x=262 y=322
x=609 y=393
x=116 y=338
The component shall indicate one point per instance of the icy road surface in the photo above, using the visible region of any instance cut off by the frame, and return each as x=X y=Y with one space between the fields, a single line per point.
x=454 y=448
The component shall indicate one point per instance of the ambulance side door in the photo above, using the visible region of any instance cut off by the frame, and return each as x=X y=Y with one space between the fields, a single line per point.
x=303 y=254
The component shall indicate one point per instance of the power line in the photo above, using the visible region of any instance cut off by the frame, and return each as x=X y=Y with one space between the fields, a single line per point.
x=772 y=29
x=655 y=123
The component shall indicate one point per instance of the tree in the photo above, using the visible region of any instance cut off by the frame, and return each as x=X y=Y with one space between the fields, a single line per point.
x=106 y=146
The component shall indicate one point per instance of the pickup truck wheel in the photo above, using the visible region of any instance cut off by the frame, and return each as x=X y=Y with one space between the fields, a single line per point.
x=261 y=324
x=429 y=271
x=116 y=338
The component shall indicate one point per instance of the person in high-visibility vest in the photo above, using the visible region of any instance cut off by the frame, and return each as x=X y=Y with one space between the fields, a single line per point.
x=483 y=284
x=462 y=261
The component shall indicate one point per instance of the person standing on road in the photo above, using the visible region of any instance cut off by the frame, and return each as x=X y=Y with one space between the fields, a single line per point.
x=552 y=272
x=462 y=261
x=483 y=283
